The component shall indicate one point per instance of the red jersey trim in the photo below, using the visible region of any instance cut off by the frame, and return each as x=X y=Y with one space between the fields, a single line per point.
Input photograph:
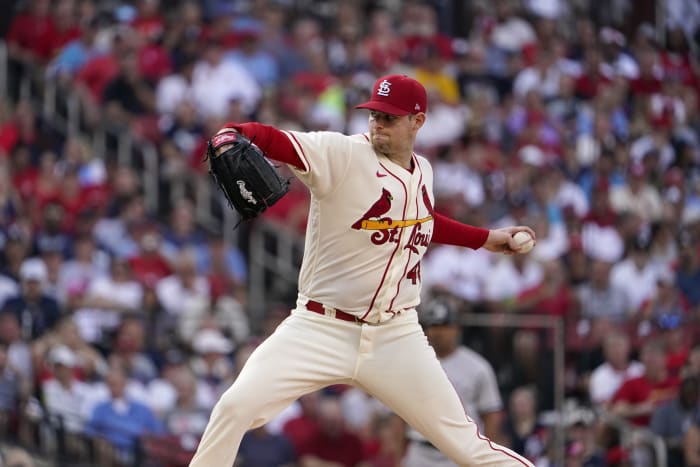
x=408 y=260
x=398 y=245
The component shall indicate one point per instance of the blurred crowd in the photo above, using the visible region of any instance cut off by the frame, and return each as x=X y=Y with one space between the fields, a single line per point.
x=121 y=326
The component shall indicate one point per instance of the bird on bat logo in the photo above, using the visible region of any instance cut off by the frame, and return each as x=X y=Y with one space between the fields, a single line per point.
x=378 y=209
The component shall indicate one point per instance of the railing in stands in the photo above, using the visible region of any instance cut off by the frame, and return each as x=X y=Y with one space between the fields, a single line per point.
x=63 y=108
x=275 y=254
x=633 y=437
x=552 y=324
x=4 y=73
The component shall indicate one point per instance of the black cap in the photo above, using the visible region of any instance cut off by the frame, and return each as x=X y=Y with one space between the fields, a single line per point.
x=438 y=312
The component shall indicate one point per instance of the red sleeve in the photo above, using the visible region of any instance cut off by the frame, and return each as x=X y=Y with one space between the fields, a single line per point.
x=272 y=141
x=451 y=232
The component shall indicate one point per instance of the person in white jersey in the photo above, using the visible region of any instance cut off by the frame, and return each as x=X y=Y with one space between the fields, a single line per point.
x=471 y=375
x=370 y=221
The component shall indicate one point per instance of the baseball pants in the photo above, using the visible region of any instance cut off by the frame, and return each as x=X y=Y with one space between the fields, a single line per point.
x=393 y=362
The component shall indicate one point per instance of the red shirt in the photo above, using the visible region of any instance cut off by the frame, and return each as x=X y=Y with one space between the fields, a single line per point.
x=32 y=33
x=149 y=269
x=638 y=390
x=96 y=73
x=345 y=449
x=300 y=431
x=9 y=137
x=556 y=305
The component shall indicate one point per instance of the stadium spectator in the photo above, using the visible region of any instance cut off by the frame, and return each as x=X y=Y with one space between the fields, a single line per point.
x=332 y=442
x=672 y=419
x=600 y=152
x=637 y=398
x=65 y=397
x=526 y=434
x=600 y=299
x=119 y=422
x=106 y=299
x=607 y=378
x=35 y=311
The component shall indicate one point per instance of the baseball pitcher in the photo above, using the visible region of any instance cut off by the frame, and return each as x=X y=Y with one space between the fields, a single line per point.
x=371 y=220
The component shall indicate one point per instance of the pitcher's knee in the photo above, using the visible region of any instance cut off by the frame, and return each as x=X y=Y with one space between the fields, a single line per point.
x=237 y=408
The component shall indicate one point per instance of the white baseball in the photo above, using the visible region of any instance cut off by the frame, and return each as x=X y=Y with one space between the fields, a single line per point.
x=525 y=241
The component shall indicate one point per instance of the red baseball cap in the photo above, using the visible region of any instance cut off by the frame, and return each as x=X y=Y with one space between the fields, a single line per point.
x=397 y=95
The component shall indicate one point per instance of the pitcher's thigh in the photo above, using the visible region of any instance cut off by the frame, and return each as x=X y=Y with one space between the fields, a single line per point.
x=301 y=356
x=407 y=376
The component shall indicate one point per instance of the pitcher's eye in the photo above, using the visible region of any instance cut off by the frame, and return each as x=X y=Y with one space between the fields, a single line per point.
x=374 y=115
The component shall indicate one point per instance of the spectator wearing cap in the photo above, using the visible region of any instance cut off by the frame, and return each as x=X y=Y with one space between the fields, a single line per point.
x=672 y=419
x=90 y=364
x=211 y=364
x=65 y=396
x=36 y=312
x=607 y=377
x=471 y=374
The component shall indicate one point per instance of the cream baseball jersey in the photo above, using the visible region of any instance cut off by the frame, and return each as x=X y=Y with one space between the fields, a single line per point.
x=370 y=222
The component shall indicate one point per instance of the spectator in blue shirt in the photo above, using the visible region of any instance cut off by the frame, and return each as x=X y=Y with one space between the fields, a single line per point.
x=119 y=420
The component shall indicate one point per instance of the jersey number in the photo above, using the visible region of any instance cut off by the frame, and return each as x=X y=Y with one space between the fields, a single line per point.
x=414 y=274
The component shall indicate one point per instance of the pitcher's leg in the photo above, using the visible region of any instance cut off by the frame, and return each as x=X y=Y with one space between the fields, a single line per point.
x=404 y=373
x=304 y=354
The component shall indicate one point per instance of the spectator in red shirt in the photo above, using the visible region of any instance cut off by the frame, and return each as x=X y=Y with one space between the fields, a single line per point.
x=637 y=398
x=300 y=430
x=65 y=28
x=148 y=23
x=332 y=443
x=28 y=33
x=149 y=266
x=552 y=296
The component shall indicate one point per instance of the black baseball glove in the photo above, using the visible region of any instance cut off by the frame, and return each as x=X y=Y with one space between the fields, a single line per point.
x=249 y=181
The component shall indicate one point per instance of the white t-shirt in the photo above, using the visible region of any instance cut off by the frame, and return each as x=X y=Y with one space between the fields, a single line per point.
x=605 y=380
x=93 y=321
x=70 y=404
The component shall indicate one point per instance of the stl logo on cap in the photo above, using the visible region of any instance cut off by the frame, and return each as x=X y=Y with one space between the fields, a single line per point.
x=397 y=95
x=384 y=88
